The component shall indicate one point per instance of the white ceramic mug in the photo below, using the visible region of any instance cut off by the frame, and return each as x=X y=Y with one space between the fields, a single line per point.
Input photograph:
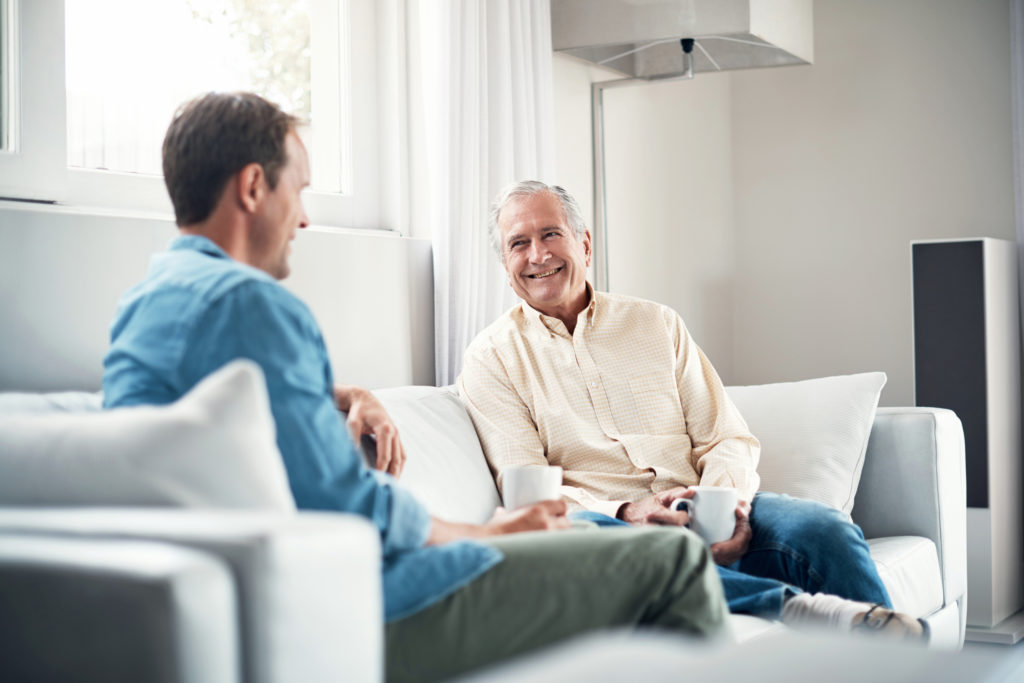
x=531 y=484
x=712 y=511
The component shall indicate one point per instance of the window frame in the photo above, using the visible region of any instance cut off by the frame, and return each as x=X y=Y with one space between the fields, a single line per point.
x=37 y=168
x=6 y=57
x=34 y=167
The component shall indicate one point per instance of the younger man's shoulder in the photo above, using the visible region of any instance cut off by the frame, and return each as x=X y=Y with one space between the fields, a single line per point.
x=250 y=289
x=195 y=283
x=219 y=278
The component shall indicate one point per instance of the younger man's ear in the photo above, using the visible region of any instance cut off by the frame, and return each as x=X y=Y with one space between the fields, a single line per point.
x=251 y=186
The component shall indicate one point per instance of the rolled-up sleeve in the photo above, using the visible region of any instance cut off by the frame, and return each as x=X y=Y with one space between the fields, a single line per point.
x=724 y=452
x=502 y=420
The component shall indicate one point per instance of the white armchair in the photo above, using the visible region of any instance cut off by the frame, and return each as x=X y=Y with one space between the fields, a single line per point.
x=130 y=594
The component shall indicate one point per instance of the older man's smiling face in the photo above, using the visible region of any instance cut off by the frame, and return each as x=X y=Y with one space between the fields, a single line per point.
x=545 y=261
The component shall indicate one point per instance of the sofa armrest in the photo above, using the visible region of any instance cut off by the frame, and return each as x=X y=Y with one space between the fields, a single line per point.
x=309 y=584
x=914 y=484
x=114 y=610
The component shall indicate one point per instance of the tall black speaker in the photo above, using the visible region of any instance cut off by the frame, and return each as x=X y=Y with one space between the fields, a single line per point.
x=967 y=358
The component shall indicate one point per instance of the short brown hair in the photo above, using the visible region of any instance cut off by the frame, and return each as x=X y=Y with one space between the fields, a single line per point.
x=213 y=137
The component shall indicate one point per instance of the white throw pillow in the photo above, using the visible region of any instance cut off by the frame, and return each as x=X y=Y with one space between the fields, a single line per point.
x=215 y=447
x=813 y=434
x=445 y=467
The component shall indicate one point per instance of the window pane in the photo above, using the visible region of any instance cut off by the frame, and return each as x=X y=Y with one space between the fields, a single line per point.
x=131 y=63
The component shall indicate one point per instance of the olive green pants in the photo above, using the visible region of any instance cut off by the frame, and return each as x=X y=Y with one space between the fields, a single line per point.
x=557 y=584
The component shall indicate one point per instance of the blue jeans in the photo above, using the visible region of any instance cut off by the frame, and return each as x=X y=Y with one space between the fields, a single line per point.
x=798 y=545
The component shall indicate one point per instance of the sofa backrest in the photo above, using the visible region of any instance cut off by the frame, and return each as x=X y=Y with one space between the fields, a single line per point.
x=445 y=467
x=15 y=402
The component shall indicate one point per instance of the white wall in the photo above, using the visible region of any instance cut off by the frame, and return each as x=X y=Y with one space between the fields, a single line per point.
x=373 y=294
x=670 y=204
x=900 y=130
x=669 y=192
x=797 y=190
x=62 y=272
x=574 y=157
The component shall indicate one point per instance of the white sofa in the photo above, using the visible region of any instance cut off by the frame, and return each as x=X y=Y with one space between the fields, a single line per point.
x=910 y=502
x=123 y=593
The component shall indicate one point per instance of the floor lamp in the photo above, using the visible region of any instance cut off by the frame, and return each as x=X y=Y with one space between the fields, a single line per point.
x=661 y=40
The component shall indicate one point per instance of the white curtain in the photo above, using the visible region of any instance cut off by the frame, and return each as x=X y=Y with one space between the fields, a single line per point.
x=480 y=116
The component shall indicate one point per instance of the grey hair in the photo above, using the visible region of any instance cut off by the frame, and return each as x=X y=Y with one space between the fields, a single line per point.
x=528 y=188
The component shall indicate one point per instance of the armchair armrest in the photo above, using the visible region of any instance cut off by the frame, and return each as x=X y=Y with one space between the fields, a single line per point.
x=114 y=610
x=914 y=484
x=310 y=604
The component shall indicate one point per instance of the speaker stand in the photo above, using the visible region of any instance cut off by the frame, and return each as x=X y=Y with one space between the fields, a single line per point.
x=1007 y=632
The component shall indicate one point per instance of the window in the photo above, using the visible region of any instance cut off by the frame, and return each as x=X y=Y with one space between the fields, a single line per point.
x=123 y=66
x=123 y=81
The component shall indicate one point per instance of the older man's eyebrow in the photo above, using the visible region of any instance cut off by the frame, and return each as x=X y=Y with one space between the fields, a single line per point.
x=521 y=236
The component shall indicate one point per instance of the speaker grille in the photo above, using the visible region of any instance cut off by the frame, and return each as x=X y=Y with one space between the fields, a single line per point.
x=949 y=346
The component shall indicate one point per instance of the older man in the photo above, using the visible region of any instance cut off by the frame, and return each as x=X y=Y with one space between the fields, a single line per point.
x=456 y=596
x=615 y=391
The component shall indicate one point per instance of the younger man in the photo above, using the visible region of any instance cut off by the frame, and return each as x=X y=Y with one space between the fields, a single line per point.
x=456 y=596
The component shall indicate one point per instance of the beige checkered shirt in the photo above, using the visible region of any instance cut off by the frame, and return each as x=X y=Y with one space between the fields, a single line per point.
x=627 y=405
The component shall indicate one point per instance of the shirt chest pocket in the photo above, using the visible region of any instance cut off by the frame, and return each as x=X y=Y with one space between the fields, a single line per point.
x=656 y=402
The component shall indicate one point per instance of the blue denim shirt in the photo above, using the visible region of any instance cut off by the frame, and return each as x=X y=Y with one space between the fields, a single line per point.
x=197 y=310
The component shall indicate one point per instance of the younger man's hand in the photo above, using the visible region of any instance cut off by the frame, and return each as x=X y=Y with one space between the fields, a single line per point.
x=544 y=516
x=366 y=416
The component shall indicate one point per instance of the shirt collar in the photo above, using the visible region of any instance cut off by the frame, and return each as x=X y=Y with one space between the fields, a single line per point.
x=198 y=243
x=553 y=324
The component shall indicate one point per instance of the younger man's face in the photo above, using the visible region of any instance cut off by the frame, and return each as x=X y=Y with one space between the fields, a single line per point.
x=283 y=213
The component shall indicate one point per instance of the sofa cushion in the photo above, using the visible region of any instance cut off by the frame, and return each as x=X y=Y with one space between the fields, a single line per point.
x=747 y=627
x=445 y=466
x=215 y=447
x=813 y=434
x=909 y=568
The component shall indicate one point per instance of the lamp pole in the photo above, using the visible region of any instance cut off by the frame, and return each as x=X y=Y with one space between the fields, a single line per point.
x=600 y=241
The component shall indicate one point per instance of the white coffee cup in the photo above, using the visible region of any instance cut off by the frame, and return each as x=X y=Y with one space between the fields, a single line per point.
x=530 y=484
x=712 y=511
